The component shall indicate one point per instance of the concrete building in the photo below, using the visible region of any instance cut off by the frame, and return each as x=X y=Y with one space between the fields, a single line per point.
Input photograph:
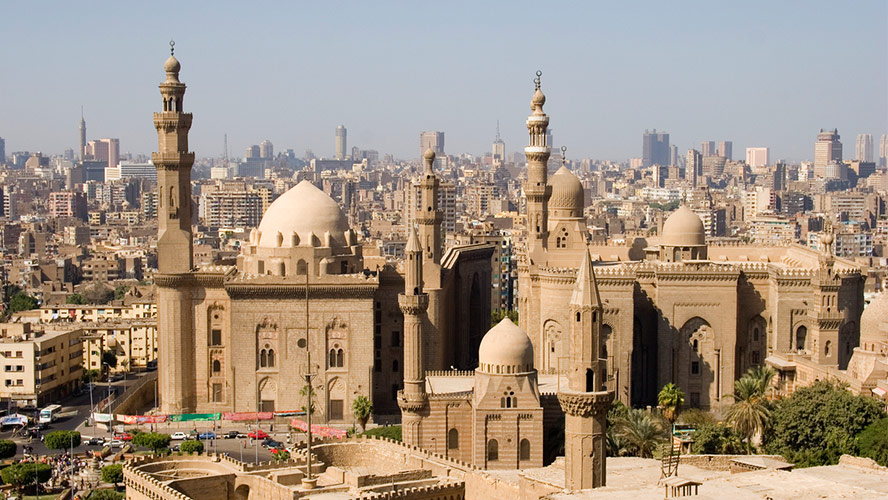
x=827 y=149
x=266 y=150
x=655 y=148
x=231 y=209
x=341 y=142
x=433 y=141
x=707 y=148
x=758 y=157
x=39 y=367
x=128 y=170
x=883 y=151
x=106 y=151
x=864 y=149
x=67 y=204
x=726 y=149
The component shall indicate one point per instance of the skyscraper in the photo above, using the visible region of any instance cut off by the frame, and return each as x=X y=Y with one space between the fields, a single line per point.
x=827 y=149
x=266 y=149
x=864 y=147
x=341 y=142
x=883 y=151
x=498 y=151
x=757 y=157
x=655 y=148
x=725 y=148
x=707 y=148
x=104 y=150
x=674 y=160
x=2 y=151
x=82 y=136
x=433 y=140
x=693 y=166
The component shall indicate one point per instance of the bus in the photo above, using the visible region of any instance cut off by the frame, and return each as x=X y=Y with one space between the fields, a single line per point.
x=49 y=414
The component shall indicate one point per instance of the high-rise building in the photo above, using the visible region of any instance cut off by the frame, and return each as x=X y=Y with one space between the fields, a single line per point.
x=498 y=151
x=104 y=150
x=655 y=148
x=883 y=151
x=433 y=141
x=725 y=148
x=2 y=151
x=82 y=136
x=827 y=149
x=674 y=160
x=252 y=152
x=707 y=148
x=864 y=147
x=694 y=166
x=341 y=142
x=757 y=157
x=266 y=149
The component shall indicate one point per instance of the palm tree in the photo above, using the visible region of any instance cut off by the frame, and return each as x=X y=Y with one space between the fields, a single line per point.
x=641 y=431
x=362 y=408
x=670 y=400
x=763 y=375
x=749 y=415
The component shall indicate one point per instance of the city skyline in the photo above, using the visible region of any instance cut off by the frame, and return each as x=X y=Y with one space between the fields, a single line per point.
x=359 y=72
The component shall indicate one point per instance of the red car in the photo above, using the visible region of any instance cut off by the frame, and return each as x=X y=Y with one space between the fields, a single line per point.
x=258 y=434
x=124 y=437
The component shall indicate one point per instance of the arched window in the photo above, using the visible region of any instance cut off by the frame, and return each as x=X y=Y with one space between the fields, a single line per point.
x=492 y=450
x=524 y=450
x=340 y=358
x=395 y=366
x=271 y=358
x=676 y=255
x=755 y=334
x=332 y=361
x=263 y=358
x=217 y=366
x=801 y=337
x=827 y=348
x=452 y=439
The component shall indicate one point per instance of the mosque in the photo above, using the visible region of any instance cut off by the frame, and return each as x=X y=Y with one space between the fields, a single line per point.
x=299 y=300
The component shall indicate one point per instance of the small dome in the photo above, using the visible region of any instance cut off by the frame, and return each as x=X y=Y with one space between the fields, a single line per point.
x=505 y=348
x=874 y=322
x=683 y=229
x=172 y=65
x=305 y=210
x=538 y=100
x=567 y=192
x=429 y=154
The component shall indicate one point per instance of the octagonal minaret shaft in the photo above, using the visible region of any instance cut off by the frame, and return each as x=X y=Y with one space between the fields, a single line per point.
x=414 y=303
x=536 y=188
x=428 y=218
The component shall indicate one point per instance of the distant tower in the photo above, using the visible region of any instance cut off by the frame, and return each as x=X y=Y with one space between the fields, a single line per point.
x=498 y=151
x=864 y=147
x=586 y=400
x=341 y=142
x=429 y=217
x=433 y=141
x=827 y=149
x=82 y=135
x=707 y=148
x=883 y=151
x=536 y=188
x=266 y=150
x=414 y=303
x=174 y=253
x=655 y=149
x=693 y=166
x=726 y=149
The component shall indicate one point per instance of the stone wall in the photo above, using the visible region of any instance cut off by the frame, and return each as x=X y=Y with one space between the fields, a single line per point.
x=717 y=462
x=138 y=397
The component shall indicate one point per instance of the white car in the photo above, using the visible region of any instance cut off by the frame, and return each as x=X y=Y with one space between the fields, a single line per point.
x=117 y=443
x=178 y=436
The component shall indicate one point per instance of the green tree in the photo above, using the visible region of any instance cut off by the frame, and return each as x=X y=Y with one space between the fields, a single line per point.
x=750 y=414
x=91 y=375
x=109 y=358
x=62 y=440
x=75 y=299
x=642 y=432
x=7 y=448
x=120 y=291
x=155 y=440
x=282 y=456
x=670 y=400
x=497 y=316
x=98 y=294
x=21 y=302
x=362 y=408
x=616 y=445
x=716 y=439
x=22 y=474
x=113 y=474
x=873 y=441
x=308 y=392
x=763 y=376
x=107 y=495
x=697 y=418
x=818 y=423
x=191 y=446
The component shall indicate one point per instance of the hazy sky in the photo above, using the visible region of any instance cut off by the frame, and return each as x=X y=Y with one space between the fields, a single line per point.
x=768 y=73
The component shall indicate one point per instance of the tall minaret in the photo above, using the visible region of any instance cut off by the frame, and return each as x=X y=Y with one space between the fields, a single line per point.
x=82 y=135
x=428 y=219
x=536 y=188
x=586 y=400
x=174 y=259
x=414 y=303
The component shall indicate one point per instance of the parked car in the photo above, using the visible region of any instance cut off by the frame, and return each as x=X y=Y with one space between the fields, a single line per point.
x=96 y=441
x=116 y=377
x=178 y=436
x=175 y=447
x=151 y=365
x=116 y=443
x=271 y=443
x=207 y=435
x=125 y=436
x=258 y=434
x=232 y=435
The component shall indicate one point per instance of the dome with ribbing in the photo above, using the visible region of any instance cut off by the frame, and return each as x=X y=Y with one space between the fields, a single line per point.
x=306 y=211
x=683 y=228
x=567 y=194
x=874 y=323
x=505 y=348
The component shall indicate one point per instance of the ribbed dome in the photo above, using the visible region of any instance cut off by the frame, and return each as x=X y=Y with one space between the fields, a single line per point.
x=567 y=192
x=683 y=229
x=305 y=210
x=505 y=348
x=874 y=322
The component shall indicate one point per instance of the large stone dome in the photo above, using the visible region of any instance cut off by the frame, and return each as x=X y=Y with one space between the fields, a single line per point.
x=505 y=348
x=567 y=194
x=305 y=210
x=874 y=323
x=683 y=229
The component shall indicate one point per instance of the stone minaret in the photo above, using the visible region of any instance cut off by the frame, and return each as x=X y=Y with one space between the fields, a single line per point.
x=586 y=400
x=82 y=136
x=174 y=258
x=536 y=188
x=414 y=303
x=428 y=219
